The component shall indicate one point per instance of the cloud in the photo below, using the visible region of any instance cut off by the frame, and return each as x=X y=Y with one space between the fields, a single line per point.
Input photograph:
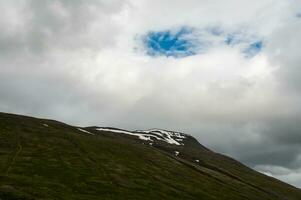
x=282 y=173
x=39 y=27
x=83 y=62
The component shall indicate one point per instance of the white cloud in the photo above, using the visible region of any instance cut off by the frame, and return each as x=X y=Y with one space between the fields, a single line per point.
x=282 y=173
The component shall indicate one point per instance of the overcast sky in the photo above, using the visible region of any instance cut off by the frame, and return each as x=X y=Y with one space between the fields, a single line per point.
x=226 y=72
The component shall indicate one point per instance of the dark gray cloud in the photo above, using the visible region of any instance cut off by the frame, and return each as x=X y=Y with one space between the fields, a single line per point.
x=80 y=62
x=41 y=26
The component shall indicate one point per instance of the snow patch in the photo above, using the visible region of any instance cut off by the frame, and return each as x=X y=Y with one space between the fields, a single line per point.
x=82 y=130
x=169 y=137
x=46 y=125
x=177 y=153
x=197 y=161
x=141 y=137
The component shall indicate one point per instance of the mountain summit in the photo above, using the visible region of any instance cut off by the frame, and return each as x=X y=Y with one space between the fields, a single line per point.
x=47 y=159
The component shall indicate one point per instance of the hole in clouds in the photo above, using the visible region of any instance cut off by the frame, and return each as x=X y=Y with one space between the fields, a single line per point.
x=249 y=45
x=185 y=42
x=253 y=49
x=177 y=44
x=232 y=39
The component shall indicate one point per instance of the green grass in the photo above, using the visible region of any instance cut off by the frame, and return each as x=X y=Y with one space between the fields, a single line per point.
x=60 y=162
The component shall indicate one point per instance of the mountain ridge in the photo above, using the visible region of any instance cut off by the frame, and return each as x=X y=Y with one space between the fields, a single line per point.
x=48 y=159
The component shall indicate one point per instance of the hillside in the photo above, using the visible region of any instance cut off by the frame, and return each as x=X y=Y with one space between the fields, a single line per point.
x=46 y=159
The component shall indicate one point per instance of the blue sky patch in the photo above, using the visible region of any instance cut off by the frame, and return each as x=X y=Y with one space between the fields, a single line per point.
x=170 y=43
x=235 y=38
x=229 y=39
x=253 y=49
x=250 y=45
x=183 y=42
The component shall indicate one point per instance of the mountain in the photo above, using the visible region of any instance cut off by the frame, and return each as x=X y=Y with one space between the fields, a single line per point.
x=47 y=159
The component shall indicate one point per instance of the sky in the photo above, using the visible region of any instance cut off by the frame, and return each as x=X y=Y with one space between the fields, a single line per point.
x=226 y=72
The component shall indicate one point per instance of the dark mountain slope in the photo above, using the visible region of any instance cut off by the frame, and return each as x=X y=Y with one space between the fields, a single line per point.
x=46 y=159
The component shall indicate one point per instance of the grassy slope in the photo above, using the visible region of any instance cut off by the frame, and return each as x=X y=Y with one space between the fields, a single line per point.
x=60 y=162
